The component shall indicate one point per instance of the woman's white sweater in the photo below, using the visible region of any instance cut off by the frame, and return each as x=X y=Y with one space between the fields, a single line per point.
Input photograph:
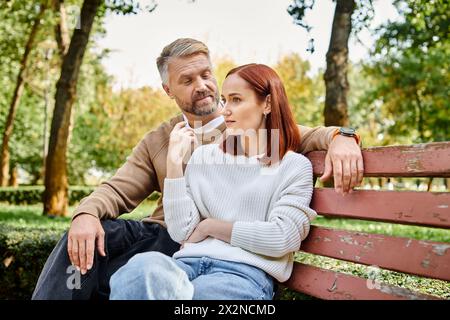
x=268 y=205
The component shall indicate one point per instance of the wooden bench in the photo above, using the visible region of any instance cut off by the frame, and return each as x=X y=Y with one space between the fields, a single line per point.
x=423 y=258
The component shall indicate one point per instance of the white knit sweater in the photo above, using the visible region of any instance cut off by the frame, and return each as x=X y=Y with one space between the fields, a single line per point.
x=268 y=205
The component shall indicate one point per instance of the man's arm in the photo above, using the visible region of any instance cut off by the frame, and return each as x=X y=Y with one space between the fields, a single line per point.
x=133 y=182
x=317 y=138
x=343 y=160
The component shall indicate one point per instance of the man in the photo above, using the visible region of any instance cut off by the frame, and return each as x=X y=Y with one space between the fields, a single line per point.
x=98 y=244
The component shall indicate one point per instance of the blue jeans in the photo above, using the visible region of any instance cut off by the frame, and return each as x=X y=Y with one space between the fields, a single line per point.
x=154 y=276
x=123 y=240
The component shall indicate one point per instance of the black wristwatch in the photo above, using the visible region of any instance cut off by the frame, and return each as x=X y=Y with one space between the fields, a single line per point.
x=348 y=132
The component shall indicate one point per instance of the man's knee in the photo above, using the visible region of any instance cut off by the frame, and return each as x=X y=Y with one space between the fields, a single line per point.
x=151 y=275
x=147 y=264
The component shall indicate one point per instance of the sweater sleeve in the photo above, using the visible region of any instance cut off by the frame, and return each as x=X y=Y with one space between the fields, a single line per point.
x=288 y=222
x=181 y=213
x=317 y=138
x=133 y=182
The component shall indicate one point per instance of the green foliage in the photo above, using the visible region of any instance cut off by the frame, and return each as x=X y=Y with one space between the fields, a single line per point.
x=285 y=293
x=306 y=93
x=33 y=194
x=16 y=19
x=41 y=75
x=27 y=239
x=118 y=121
x=425 y=24
x=414 y=92
x=23 y=253
x=410 y=73
x=125 y=7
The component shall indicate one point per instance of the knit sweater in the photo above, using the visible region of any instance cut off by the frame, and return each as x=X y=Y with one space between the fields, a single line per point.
x=269 y=207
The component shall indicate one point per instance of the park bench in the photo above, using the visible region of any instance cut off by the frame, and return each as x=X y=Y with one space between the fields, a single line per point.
x=416 y=257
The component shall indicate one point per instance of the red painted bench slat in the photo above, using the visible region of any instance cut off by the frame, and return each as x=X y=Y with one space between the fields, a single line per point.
x=423 y=258
x=406 y=207
x=326 y=284
x=420 y=160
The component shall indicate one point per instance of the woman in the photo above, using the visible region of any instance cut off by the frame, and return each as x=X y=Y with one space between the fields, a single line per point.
x=240 y=209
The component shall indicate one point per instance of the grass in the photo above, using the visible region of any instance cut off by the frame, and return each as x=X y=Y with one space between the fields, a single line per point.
x=30 y=217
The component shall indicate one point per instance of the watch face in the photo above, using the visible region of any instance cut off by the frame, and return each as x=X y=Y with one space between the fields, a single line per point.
x=349 y=131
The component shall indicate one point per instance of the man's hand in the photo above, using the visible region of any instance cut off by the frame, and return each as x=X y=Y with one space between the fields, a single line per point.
x=344 y=160
x=85 y=231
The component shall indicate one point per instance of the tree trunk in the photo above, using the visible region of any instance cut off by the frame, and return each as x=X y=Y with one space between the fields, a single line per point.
x=63 y=41
x=61 y=29
x=420 y=117
x=335 y=77
x=13 y=178
x=429 y=184
x=56 y=188
x=380 y=183
x=18 y=90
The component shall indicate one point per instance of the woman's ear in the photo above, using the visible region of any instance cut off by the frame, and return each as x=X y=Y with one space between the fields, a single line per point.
x=268 y=107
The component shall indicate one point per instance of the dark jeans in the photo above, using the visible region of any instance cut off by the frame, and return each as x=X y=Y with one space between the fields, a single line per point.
x=123 y=239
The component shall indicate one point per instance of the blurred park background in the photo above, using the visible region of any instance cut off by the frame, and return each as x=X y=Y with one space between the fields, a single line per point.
x=79 y=88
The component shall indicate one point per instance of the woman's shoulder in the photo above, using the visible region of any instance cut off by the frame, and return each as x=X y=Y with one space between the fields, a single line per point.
x=295 y=157
x=295 y=163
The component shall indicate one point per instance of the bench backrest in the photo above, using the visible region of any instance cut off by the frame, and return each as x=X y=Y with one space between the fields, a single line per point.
x=424 y=258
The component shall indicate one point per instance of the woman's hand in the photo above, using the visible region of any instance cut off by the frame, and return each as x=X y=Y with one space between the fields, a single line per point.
x=200 y=232
x=210 y=227
x=180 y=142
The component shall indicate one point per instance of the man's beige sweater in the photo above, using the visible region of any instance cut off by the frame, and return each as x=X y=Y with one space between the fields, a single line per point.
x=144 y=171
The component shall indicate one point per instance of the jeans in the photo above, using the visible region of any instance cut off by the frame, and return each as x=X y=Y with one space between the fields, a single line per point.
x=154 y=276
x=123 y=239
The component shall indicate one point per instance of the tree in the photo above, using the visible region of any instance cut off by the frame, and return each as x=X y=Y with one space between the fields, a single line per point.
x=335 y=76
x=410 y=67
x=305 y=93
x=18 y=90
x=348 y=17
x=44 y=67
x=56 y=188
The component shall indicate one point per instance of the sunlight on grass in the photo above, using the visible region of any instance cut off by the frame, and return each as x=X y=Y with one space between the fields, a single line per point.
x=31 y=216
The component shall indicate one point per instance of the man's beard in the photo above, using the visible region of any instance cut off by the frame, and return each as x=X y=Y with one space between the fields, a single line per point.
x=203 y=109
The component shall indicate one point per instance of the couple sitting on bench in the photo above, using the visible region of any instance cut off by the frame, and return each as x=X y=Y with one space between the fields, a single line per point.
x=235 y=194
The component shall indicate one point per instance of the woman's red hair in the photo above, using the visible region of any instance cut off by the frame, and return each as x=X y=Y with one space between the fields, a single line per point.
x=264 y=81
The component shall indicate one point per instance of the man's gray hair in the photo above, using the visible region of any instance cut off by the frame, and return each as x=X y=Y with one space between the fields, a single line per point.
x=179 y=48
